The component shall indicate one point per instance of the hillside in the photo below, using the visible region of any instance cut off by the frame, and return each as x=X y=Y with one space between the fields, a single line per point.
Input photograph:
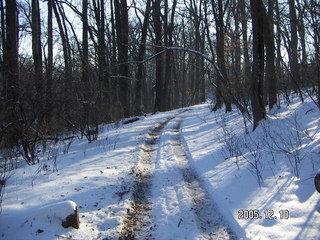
x=184 y=174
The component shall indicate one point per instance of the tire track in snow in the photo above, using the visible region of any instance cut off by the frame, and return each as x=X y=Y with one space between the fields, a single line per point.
x=138 y=221
x=209 y=220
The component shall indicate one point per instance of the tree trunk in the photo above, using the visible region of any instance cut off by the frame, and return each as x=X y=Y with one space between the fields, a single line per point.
x=114 y=107
x=11 y=73
x=102 y=64
x=258 y=109
x=244 y=21
x=67 y=59
x=140 y=82
x=236 y=43
x=87 y=92
x=122 y=29
x=85 y=51
x=49 y=70
x=103 y=97
x=279 y=71
x=223 y=88
x=37 y=57
x=2 y=60
x=293 y=47
x=271 y=77
x=159 y=101
x=202 y=84
x=198 y=75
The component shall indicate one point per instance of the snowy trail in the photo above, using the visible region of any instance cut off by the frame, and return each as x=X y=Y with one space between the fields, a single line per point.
x=172 y=176
x=138 y=222
x=182 y=207
x=208 y=218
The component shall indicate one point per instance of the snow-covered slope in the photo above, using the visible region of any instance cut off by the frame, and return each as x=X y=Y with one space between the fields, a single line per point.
x=202 y=168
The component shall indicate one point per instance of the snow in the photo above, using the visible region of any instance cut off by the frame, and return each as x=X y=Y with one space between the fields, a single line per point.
x=269 y=171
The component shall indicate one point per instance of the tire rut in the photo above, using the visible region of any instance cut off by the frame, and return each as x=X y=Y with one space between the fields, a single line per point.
x=138 y=221
x=210 y=221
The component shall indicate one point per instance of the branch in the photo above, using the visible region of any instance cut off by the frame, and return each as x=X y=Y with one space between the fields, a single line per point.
x=145 y=60
x=74 y=8
x=210 y=60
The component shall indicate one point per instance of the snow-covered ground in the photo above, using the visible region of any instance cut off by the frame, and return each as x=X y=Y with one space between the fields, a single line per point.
x=202 y=176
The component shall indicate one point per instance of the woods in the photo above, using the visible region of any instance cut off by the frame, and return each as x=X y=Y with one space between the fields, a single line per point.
x=68 y=66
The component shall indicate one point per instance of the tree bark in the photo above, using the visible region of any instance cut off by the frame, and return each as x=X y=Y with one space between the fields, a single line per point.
x=271 y=77
x=12 y=116
x=223 y=88
x=37 y=57
x=49 y=70
x=102 y=63
x=244 y=20
x=257 y=104
x=85 y=50
x=2 y=61
x=293 y=47
x=122 y=29
x=168 y=26
x=159 y=101
x=279 y=71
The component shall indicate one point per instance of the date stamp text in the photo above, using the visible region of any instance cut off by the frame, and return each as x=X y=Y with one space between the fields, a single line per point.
x=266 y=214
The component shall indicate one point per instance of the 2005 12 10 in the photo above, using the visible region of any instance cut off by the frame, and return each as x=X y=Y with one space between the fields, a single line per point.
x=266 y=214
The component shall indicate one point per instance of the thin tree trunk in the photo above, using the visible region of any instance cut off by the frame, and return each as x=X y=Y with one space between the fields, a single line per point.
x=85 y=50
x=114 y=68
x=202 y=84
x=278 y=42
x=37 y=57
x=140 y=82
x=66 y=57
x=198 y=75
x=168 y=86
x=159 y=101
x=102 y=64
x=271 y=77
x=2 y=61
x=293 y=47
x=49 y=70
x=236 y=42
x=244 y=16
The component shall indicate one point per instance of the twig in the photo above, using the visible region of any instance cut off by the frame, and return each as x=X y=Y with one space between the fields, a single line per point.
x=70 y=238
x=180 y=221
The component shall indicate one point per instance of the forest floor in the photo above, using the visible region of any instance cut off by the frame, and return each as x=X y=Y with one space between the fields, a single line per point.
x=184 y=174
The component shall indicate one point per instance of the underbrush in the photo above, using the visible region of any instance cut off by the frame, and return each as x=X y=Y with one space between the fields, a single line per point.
x=289 y=134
